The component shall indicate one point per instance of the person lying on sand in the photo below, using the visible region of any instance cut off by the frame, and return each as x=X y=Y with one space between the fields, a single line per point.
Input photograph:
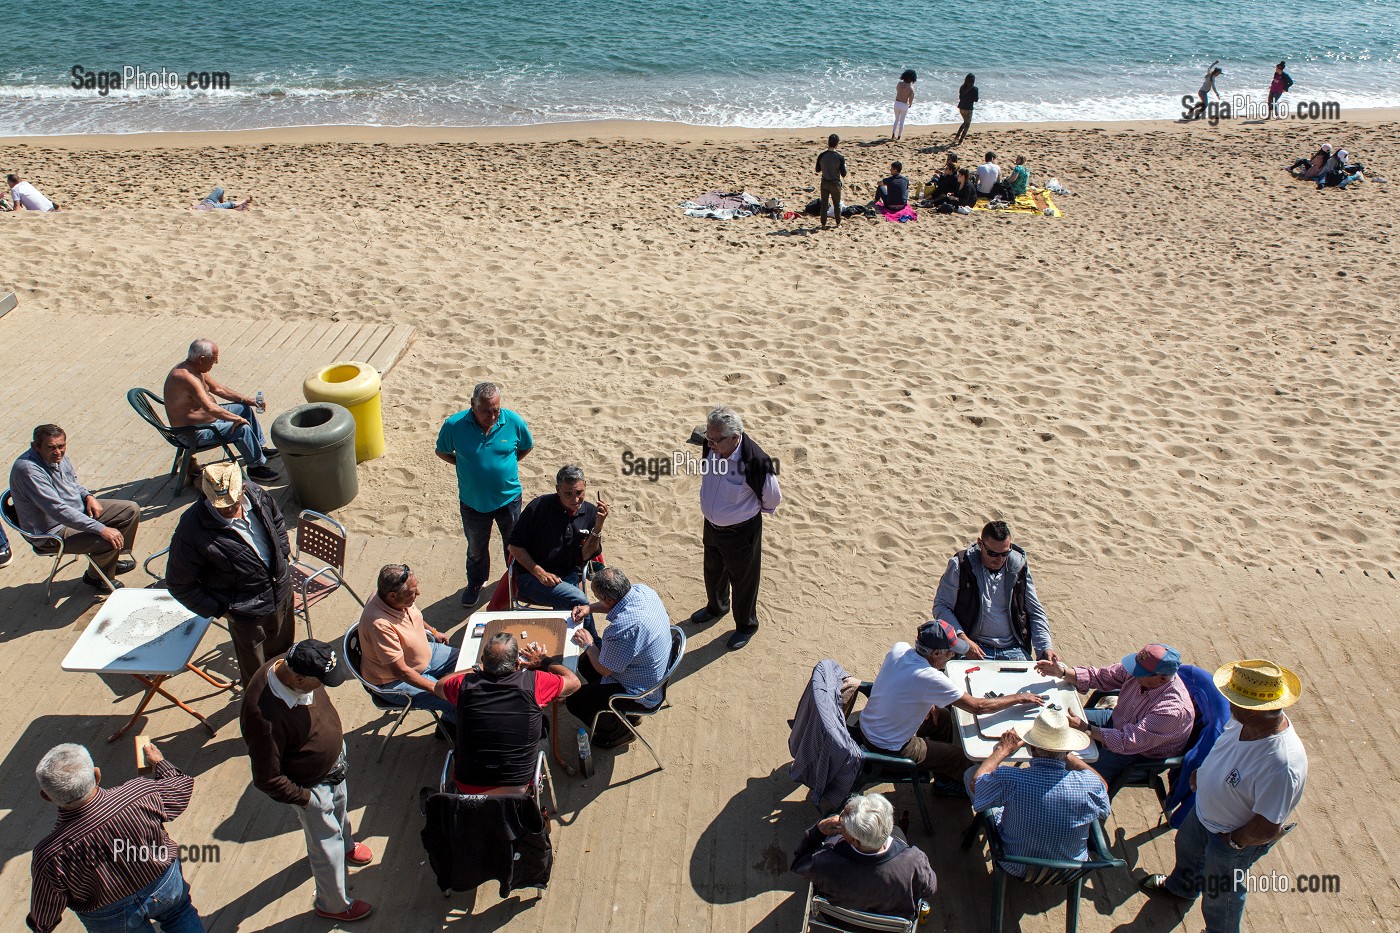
x=1312 y=168
x=215 y=201
x=26 y=196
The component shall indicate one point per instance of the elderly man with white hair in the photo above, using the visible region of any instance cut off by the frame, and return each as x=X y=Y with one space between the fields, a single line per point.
x=857 y=859
x=191 y=400
x=739 y=485
x=109 y=858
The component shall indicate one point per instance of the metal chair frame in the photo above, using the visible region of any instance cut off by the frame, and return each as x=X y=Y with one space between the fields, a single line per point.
x=1149 y=773
x=1042 y=871
x=350 y=647
x=44 y=545
x=542 y=780
x=313 y=538
x=877 y=767
x=587 y=572
x=677 y=652
x=821 y=914
x=182 y=439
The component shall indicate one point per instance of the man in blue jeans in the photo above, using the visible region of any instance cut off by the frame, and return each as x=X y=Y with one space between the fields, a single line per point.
x=1246 y=789
x=400 y=651
x=191 y=400
x=555 y=535
x=109 y=858
x=485 y=444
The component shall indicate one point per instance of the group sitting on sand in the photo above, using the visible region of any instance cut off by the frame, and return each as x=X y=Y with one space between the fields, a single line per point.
x=1328 y=167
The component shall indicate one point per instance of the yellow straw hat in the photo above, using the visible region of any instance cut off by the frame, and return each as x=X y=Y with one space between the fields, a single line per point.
x=1052 y=732
x=1258 y=684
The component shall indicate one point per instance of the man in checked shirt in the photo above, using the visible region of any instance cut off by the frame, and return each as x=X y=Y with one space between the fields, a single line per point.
x=1154 y=715
x=109 y=858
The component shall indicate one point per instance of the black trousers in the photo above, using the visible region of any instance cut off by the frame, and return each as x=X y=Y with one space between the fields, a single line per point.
x=255 y=641
x=592 y=699
x=733 y=559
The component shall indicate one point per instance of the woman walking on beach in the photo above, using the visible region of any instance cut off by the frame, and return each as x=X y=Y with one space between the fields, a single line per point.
x=1280 y=83
x=967 y=98
x=903 y=98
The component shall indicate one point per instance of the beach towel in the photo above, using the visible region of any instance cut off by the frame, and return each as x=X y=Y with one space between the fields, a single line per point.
x=903 y=215
x=1032 y=202
x=719 y=205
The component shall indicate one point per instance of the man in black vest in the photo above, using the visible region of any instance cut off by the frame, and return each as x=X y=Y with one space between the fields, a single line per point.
x=500 y=712
x=987 y=595
x=739 y=484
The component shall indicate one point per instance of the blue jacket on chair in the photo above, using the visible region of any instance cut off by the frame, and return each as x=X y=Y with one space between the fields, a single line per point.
x=1214 y=712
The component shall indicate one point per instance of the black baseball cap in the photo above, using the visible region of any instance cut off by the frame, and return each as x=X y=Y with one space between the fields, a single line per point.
x=312 y=658
x=938 y=635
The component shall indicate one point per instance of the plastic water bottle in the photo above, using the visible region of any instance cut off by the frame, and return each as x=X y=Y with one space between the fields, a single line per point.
x=258 y=402
x=585 y=753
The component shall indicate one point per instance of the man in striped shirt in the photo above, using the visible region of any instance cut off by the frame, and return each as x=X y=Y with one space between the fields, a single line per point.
x=1154 y=716
x=109 y=858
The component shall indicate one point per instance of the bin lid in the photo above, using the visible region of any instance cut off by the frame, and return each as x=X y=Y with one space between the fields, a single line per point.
x=314 y=427
x=347 y=382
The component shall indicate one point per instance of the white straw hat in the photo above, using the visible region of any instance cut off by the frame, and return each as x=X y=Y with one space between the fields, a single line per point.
x=1052 y=732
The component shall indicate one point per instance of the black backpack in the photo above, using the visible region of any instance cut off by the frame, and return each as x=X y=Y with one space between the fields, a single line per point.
x=1287 y=81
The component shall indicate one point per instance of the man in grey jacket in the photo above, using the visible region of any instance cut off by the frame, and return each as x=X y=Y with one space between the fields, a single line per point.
x=987 y=594
x=49 y=500
x=228 y=557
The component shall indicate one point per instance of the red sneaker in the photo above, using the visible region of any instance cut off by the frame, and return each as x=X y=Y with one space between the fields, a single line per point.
x=360 y=855
x=358 y=910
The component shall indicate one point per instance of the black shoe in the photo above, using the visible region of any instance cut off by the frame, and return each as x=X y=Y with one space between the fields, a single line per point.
x=741 y=637
x=470 y=594
x=634 y=719
x=125 y=565
x=264 y=474
x=270 y=452
x=706 y=616
x=98 y=583
x=5 y=557
x=1157 y=884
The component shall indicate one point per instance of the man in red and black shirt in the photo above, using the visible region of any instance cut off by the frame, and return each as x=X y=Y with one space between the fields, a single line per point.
x=109 y=857
x=500 y=712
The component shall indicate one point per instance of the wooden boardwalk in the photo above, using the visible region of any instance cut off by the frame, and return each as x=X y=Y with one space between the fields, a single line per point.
x=74 y=370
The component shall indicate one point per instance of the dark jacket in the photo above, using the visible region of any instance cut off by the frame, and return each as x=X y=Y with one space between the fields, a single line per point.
x=755 y=464
x=475 y=839
x=891 y=883
x=213 y=572
x=968 y=608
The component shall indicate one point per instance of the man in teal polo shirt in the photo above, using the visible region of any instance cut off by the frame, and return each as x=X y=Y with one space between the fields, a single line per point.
x=486 y=444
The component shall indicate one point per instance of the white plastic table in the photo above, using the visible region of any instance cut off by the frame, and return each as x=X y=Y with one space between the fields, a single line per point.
x=471 y=649
x=145 y=633
x=979 y=734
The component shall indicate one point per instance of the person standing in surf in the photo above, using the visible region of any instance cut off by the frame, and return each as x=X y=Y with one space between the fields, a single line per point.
x=1281 y=82
x=1208 y=85
x=903 y=99
x=967 y=99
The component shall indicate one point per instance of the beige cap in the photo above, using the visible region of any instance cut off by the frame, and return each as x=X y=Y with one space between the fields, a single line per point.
x=222 y=484
x=1052 y=732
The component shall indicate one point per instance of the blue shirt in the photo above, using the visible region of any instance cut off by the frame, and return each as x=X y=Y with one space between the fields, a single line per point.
x=48 y=497
x=636 y=645
x=1048 y=809
x=488 y=465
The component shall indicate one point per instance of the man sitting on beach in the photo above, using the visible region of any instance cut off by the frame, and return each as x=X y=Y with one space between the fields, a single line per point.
x=893 y=192
x=1154 y=715
x=26 y=196
x=190 y=393
x=858 y=859
x=500 y=718
x=555 y=534
x=1043 y=811
x=988 y=174
x=906 y=715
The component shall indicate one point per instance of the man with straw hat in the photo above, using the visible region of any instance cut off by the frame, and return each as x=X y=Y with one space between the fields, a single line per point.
x=1045 y=810
x=1245 y=790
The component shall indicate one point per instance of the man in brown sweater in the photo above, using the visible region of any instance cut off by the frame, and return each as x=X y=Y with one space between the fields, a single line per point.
x=297 y=751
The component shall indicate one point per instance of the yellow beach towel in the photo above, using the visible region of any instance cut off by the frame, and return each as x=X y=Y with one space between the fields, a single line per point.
x=1032 y=202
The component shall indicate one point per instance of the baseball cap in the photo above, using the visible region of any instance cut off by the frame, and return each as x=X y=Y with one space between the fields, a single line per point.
x=1153 y=661
x=312 y=658
x=938 y=635
x=222 y=483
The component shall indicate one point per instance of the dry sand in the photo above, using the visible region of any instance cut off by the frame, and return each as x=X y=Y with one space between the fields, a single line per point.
x=1181 y=395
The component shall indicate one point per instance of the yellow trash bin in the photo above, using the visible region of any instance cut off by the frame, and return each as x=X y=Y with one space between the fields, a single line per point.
x=356 y=386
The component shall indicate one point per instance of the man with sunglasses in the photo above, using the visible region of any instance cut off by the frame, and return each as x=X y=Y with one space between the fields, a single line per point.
x=988 y=595
x=399 y=649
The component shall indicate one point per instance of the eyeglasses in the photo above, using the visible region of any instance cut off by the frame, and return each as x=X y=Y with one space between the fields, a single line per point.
x=995 y=554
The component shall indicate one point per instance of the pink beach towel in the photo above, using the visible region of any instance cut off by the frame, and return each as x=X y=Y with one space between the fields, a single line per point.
x=903 y=215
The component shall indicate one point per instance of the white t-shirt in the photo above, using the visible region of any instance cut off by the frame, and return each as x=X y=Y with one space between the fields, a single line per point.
x=987 y=175
x=28 y=195
x=906 y=688
x=1239 y=779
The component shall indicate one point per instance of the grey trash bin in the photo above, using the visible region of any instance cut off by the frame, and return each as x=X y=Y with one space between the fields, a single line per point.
x=317 y=442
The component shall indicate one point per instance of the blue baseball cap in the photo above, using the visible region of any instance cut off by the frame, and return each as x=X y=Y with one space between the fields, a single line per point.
x=937 y=635
x=1153 y=661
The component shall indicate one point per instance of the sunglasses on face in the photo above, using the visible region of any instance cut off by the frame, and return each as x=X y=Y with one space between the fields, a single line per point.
x=995 y=554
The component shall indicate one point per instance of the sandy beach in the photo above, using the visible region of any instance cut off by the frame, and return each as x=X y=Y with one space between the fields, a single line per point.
x=1182 y=396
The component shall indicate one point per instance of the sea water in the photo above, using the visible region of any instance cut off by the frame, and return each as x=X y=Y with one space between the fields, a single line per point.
x=746 y=63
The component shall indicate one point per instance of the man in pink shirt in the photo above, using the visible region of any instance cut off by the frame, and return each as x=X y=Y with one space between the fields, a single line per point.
x=401 y=651
x=1154 y=715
